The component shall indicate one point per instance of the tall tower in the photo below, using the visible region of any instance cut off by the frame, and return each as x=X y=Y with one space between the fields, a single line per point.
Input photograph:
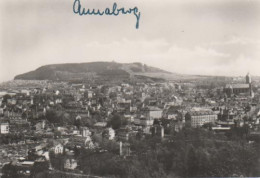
x=248 y=81
x=248 y=78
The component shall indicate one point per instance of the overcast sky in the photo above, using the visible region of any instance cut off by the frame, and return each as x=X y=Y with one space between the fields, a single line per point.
x=207 y=37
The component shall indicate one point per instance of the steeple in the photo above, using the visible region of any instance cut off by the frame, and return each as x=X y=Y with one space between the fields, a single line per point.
x=248 y=78
x=248 y=81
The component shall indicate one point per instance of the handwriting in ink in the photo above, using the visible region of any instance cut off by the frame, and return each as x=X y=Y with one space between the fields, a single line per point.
x=78 y=9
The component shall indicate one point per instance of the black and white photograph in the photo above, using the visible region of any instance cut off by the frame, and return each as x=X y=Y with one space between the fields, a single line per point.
x=129 y=88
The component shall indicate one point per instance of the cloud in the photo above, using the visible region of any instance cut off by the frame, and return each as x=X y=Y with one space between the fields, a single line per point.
x=193 y=37
x=157 y=52
x=237 y=40
x=239 y=47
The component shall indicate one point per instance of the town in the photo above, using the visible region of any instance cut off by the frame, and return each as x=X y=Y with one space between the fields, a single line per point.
x=189 y=128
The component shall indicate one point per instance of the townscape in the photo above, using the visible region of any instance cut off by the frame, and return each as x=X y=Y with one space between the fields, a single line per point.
x=189 y=128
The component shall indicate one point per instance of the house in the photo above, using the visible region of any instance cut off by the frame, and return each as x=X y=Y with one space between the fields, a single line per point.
x=26 y=92
x=122 y=134
x=124 y=149
x=150 y=101
x=109 y=133
x=12 y=101
x=58 y=101
x=86 y=132
x=24 y=168
x=80 y=141
x=46 y=155
x=152 y=112
x=1 y=109
x=4 y=128
x=39 y=149
x=63 y=130
x=70 y=164
x=123 y=105
x=174 y=113
x=57 y=92
x=90 y=94
x=89 y=144
x=143 y=121
x=158 y=130
x=58 y=149
x=40 y=125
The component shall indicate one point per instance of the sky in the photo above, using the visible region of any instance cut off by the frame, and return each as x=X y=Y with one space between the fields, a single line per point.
x=205 y=37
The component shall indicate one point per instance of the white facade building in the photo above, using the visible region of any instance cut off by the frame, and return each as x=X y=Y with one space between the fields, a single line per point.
x=4 y=128
x=58 y=149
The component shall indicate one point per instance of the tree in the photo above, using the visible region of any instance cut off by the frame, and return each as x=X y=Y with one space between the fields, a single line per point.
x=6 y=97
x=9 y=171
x=208 y=125
x=112 y=95
x=39 y=167
x=78 y=123
x=57 y=134
x=116 y=122
x=57 y=161
x=58 y=117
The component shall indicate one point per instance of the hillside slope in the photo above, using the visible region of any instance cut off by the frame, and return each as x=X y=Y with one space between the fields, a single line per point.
x=90 y=71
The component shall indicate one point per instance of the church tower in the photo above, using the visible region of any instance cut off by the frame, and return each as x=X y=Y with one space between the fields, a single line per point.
x=248 y=79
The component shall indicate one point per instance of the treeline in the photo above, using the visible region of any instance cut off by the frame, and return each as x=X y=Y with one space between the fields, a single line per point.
x=199 y=153
x=190 y=153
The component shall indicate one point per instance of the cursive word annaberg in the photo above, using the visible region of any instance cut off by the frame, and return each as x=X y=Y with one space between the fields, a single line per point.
x=78 y=9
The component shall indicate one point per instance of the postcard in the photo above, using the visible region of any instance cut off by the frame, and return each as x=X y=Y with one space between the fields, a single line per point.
x=129 y=88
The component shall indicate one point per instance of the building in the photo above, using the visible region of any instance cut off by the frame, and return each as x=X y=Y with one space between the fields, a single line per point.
x=58 y=149
x=145 y=123
x=4 y=128
x=124 y=149
x=80 y=141
x=1 y=109
x=176 y=126
x=124 y=105
x=86 y=132
x=174 y=113
x=122 y=134
x=199 y=118
x=240 y=88
x=152 y=112
x=158 y=130
x=70 y=163
x=111 y=134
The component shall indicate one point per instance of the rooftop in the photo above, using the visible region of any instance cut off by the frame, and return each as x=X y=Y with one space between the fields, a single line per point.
x=237 y=85
x=198 y=113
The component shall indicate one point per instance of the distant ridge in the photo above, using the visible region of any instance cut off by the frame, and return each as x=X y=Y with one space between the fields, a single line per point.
x=91 y=71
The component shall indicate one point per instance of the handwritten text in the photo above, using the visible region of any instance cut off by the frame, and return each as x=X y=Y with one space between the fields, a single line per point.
x=78 y=9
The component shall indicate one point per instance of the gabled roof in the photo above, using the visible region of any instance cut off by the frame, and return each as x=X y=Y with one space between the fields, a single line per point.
x=151 y=108
x=237 y=86
x=198 y=113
